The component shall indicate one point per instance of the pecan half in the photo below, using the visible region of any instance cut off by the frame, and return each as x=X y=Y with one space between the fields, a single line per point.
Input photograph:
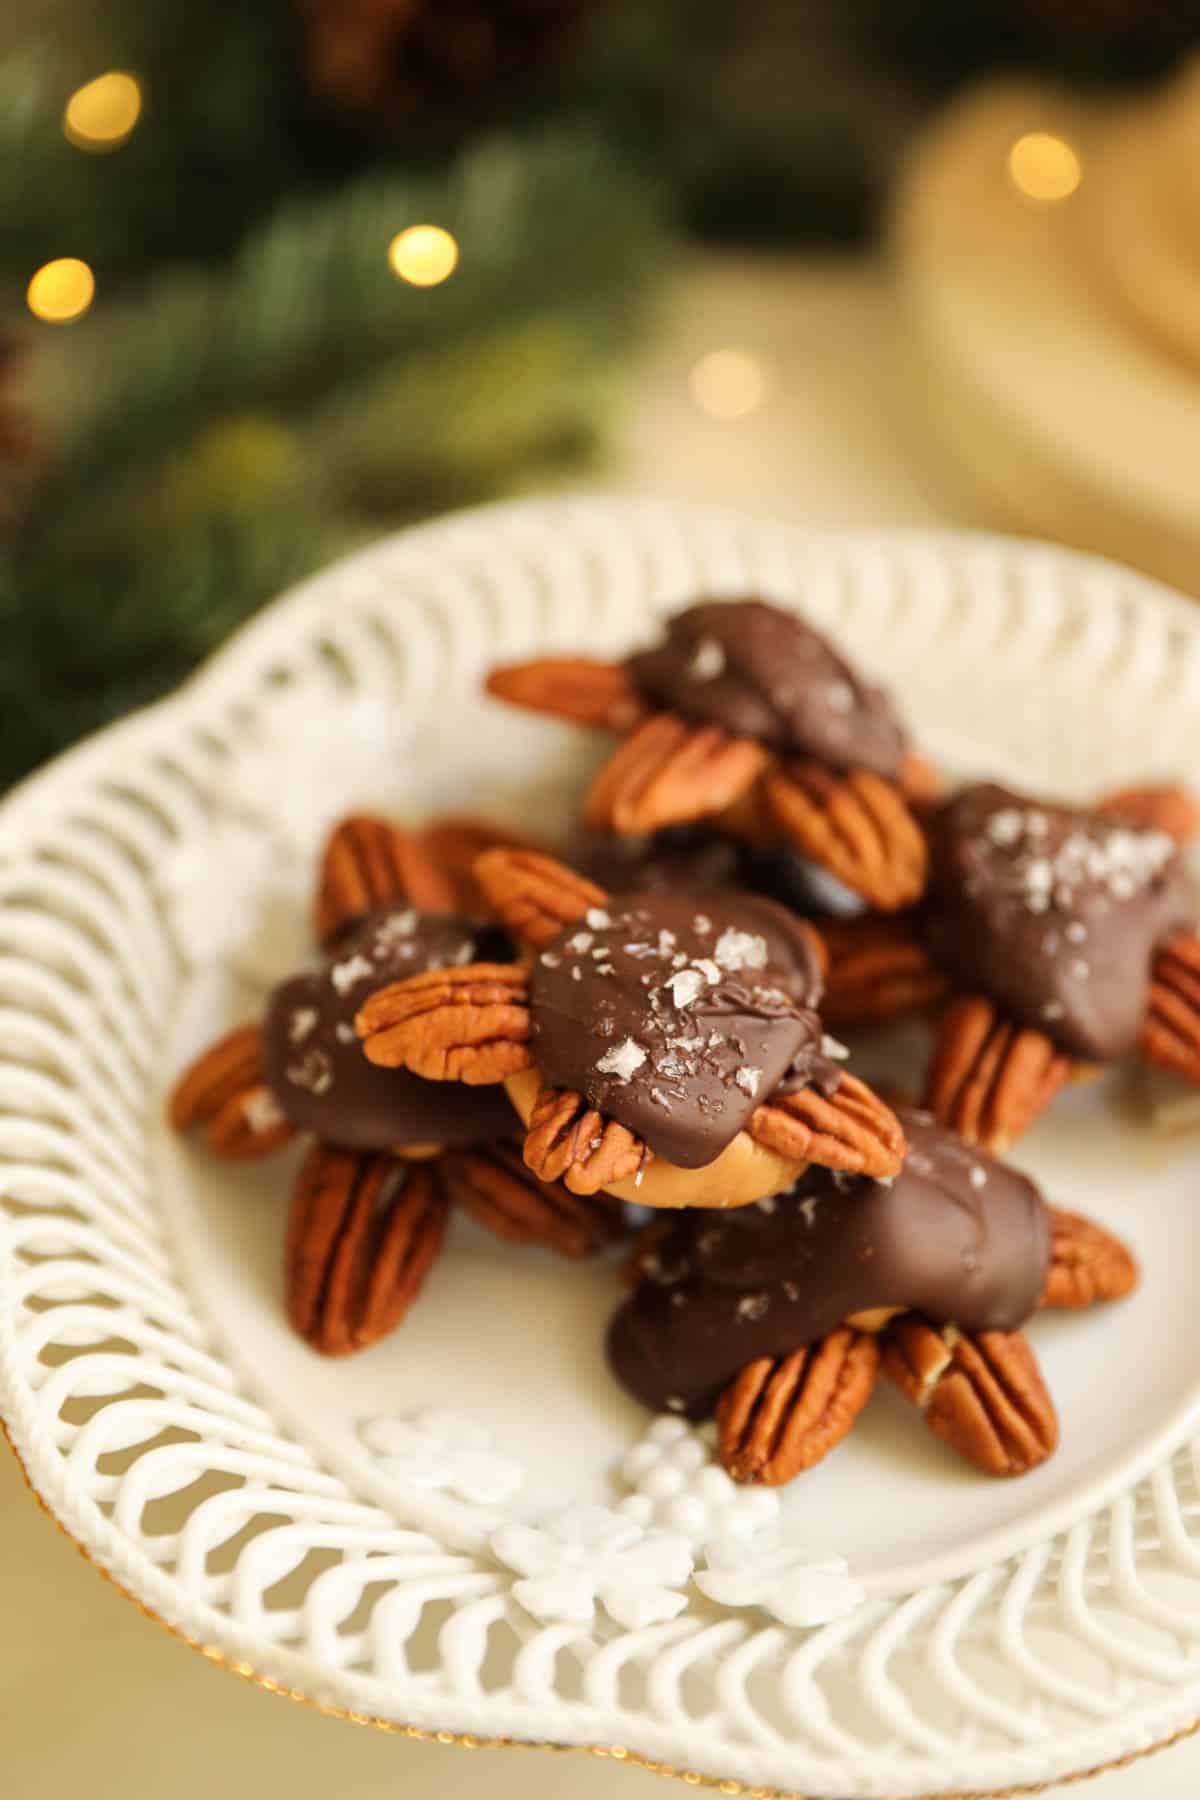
x=468 y=1024
x=750 y=819
x=498 y=1190
x=858 y=826
x=363 y=1233
x=783 y=1414
x=1087 y=1263
x=879 y=970
x=669 y=773
x=456 y=844
x=534 y=896
x=1168 y=808
x=852 y=1130
x=1171 y=1034
x=983 y=1395
x=919 y=781
x=368 y=862
x=224 y=1091
x=571 y=687
x=568 y=1140
x=990 y=1079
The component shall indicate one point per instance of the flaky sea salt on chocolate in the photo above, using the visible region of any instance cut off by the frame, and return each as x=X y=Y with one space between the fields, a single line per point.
x=623 y=1060
x=1017 y=889
x=687 y=1040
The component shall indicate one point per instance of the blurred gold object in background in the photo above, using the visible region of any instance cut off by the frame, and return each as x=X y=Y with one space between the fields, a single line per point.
x=1048 y=272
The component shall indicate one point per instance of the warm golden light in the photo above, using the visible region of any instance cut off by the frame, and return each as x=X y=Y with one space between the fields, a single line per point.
x=1044 y=167
x=728 y=384
x=101 y=115
x=424 y=255
x=61 y=290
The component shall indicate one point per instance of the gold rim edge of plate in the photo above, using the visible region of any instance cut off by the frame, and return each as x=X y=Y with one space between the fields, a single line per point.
x=471 y=1741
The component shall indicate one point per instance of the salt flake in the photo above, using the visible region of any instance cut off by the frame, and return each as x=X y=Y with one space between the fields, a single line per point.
x=344 y=974
x=262 y=1112
x=737 y=950
x=708 y=660
x=623 y=1060
x=302 y=1024
x=685 y=986
x=314 y=1074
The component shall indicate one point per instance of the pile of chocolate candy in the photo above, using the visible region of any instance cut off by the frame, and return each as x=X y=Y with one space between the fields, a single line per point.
x=636 y=1034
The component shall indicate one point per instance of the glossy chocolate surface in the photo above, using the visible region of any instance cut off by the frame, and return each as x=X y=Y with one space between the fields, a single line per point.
x=1054 y=913
x=760 y=672
x=957 y=1235
x=681 y=857
x=692 y=856
x=314 y=1062
x=678 y=1014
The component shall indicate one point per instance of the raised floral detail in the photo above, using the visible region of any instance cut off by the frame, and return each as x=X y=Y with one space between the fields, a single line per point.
x=588 y=1555
x=442 y=1450
x=677 y=1484
x=780 y=1578
x=241 y=890
x=233 y=894
x=299 y=778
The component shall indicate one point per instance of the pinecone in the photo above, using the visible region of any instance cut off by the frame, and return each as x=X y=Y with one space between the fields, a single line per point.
x=22 y=452
x=393 y=61
x=1121 y=41
x=1112 y=15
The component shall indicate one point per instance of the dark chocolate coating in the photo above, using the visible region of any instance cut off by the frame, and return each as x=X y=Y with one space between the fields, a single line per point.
x=1054 y=913
x=678 y=1014
x=314 y=1062
x=760 y=672
x=691 y=856
x=957 y=1236
x=683 y=856
x=801 y=885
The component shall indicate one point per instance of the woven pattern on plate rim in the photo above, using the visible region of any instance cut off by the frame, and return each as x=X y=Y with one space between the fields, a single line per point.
x=1073 y=1654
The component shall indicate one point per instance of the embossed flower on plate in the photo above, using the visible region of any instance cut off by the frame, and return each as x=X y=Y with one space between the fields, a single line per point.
x=442 y=1451
x=588 y=1555
x=780 y=1578
x=241 y=890
x=677 y=1484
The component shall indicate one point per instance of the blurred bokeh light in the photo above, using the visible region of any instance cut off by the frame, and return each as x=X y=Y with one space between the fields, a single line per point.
x=101 y=115
x=1044 y=167
x=728 y=384
x=423 y=255
x=61 y=290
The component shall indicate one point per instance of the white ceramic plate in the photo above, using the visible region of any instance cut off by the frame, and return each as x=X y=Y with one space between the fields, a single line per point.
x=285 y=1513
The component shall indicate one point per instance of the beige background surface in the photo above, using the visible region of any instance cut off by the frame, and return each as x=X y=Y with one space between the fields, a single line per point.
x=96 y=1701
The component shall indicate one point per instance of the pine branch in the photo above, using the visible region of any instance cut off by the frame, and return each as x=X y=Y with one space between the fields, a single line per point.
x=311 y=303
x=476 y=418
x=117 y=605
